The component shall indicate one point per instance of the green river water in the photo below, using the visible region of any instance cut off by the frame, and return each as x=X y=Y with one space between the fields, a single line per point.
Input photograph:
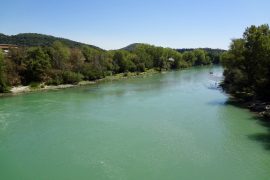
x=162 y=127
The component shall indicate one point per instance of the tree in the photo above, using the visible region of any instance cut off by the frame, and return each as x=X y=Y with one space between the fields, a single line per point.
x=60 y=55
x=15 y=66
x=120 y=63
x=96 y=59
x=189 y=57
x=37 y=65
x=3 y=85
x=76 y=59
x=201 y=58
x=178 y=60
x=145 y=54
x=257 y=57
x=61 y=61
x=131 y=58
x=247 y=64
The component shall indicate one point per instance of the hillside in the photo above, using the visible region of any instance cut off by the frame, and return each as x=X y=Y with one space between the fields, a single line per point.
x=131 y=47
x=34 y=39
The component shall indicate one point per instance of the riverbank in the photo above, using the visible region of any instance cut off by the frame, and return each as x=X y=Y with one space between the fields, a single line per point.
x=261 y=108
x=43 y=87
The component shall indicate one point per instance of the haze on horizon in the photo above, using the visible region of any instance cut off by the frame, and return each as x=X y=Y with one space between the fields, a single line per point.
x=116 y=24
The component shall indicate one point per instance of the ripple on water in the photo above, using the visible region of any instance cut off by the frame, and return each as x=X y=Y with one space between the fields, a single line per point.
x=4 y=120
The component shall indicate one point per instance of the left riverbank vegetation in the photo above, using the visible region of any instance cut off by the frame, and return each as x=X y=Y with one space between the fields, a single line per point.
x=59 y=63
x=247 y=68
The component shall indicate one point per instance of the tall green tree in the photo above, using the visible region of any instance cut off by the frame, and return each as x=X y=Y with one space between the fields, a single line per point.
x=189 y=57
x=120 y=62
x=3 y=85
x=201 y=57
x=60 y=55
x=247 y=64
x=37 y=65
x=76 y=60
x=145 y=55
x=178 y=60
x=15 y=65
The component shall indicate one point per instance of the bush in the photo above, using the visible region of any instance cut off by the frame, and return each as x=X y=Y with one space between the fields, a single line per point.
x=56 y=78
x=34 y=85
x=126 y=74
x=71 y=77
x=141 y=67
x=91 y=73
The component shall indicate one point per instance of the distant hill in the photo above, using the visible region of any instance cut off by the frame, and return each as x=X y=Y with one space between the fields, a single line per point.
x=34 y=39
x=131 y=47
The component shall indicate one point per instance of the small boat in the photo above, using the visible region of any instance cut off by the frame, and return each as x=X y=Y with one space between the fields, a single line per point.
x=211 y=73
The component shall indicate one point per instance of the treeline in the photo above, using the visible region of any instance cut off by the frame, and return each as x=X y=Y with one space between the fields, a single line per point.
x=60 y=64
x=214 y=54
x=247 y=65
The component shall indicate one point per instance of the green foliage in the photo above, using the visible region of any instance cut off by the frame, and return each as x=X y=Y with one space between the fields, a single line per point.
x=145 y=54
x=213 y=55
x=64 y=77
x=56 y=77
x=201 y=57
x=33 y=39
x=91 y=73
x=141 y=67
x=189 y=57
x=60 y=54
x=34 y=85
x=59 y=62
x=247 y=64
x=77 y=60
x=15 y=66
x=96 y=63
x=3 y=85
x=37 y=64
x=71 y=77
x=122 y=64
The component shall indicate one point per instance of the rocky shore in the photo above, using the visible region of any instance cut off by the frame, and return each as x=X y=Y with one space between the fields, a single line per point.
x=262 y=108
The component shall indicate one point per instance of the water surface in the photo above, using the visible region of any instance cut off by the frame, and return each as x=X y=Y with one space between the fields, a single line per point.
x=166 y=126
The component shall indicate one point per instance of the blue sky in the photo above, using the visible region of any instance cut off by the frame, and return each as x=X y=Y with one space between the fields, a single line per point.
x=112 y=24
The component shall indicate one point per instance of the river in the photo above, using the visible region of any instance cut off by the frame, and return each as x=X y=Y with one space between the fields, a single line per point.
x=167 y=126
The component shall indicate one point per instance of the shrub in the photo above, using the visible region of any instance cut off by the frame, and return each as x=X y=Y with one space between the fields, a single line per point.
x=71 y=77
x=91 y=73
x=56 y=78
x=34 y=85
x=141 y=67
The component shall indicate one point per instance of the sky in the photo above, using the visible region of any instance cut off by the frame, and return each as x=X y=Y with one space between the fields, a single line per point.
x=113 y=24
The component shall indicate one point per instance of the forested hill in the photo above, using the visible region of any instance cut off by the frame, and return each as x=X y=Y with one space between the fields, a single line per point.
x=131 y=47
x=34 y=39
